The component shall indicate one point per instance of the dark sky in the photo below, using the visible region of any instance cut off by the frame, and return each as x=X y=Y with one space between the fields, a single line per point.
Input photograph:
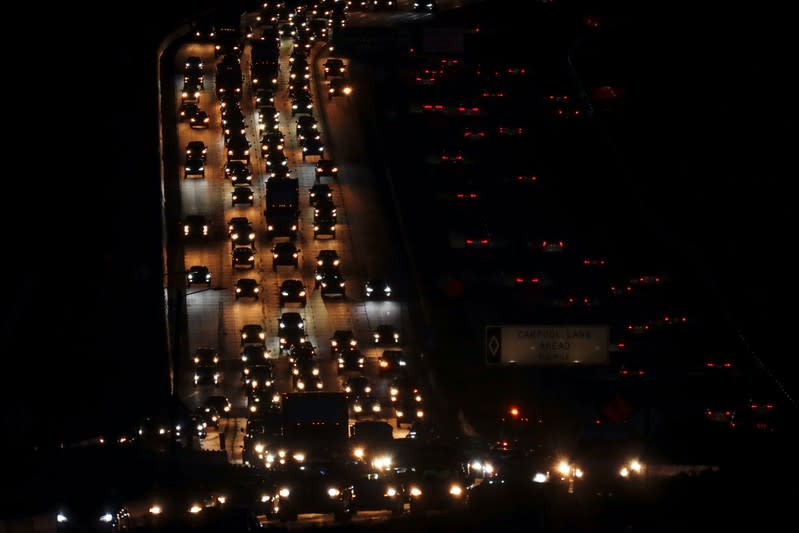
x=81 y=328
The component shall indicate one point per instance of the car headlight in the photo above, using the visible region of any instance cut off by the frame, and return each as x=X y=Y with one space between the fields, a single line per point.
x=155 y=509
x=416 y=492
x=540 y=477
x=284 y=492
x=333 y=492
x=61 y=518
x=456 y=490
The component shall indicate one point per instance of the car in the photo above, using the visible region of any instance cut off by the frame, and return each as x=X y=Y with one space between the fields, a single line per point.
x=306 y=126
x=328 y=258
x=302 y=351
x=205 y=356
x=319 y=190
x=285 y=253
x=198 y=274
x=350 y=360
x=193 y=75
x=199 y=119
x=194 y=62
x=304 y=368
x=343 y=340
x=254 y=354
x=258 y=372
x=324 y=226
x=268 y=117
x=385 y=334
x=247 y=288
x=424 y=6
x=187 y=110
x=265 y=95
x=312 y=146
x=240 y=226
x=300 y=69
x=392 y=362
x=272 y=141
x=301 y=103
x=220 y=403
x=237 y=167
x=252 y=334
x=332 y=282
x=334 y=67
x=276 y=158
x=325 y=208
x=291 y=330
x=278 y=172
x=84 y=513
x=194 y=167
x=196 y=149
x=293 y=290
x=195 y=226
x=376 y=289
x=322 y=271
x=356 y=386
x=298 y=53
x=314 y=488
x=243 y=256
x=326 y=168
x=242 y=195
x=207 y=375
x=238 y=148
x=190 y=93
x=339 y=87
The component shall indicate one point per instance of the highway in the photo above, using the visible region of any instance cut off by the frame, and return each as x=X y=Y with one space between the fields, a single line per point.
x=363 y=241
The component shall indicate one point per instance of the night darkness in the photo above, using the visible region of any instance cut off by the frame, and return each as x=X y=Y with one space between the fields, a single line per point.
x=82 y=328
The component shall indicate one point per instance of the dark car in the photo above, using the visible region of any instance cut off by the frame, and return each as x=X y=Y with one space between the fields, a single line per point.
x=240 y=174
x=205 y=357
x=324 y=226
x=334 y=67
x=242 y=195
x=190 y=93
x=243 y=256
x=195 y=227
x=199 y=119
x=319 y=190
x=301 y=103
x=312 y=146
x=253 y=334
x=332 y=282
x=194 y=75
x=378 y=491
x=350 y=359
x=327 y=258
x=237 y=167
x=293 y=290
x=187 y=110
x=276 y=158
x=305 y=369
x=323 y=271
x=306 y=126
x=285 y=253
x=247 y=288
x=238 y=226
x=316 y=488
x=207 y=375
x=339 y=87
x=377 y=289
x=194 y=167
x=291 y=330
x=326 y=168
x=220 y=403
x=254 y=354
x=385 y=334
x=196 y=149
x=392 y=362
x=84 y=513
x=325 y=208
x=343 y=340
x=198 y=274
x=358 y=386
x=238 y=148
x=265 y=95
x=424 y=6
x=243 y=236
x=272 y=141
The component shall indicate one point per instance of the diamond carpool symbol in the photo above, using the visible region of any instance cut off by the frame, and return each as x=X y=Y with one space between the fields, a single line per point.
x=493 y=345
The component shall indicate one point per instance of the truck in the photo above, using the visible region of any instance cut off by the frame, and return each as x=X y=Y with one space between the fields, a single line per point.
x=316 y=421
x=282 y=207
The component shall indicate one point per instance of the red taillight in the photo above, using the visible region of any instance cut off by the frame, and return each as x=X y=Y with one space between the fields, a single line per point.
x=439 y=107
x=519 y=280
x=535 y=280
x=727 y=365
x=641 y=372
x=624 y=372
x=620 y=345
x=483 y=241
x=710 y=365
x=470 y=241
x=427 y=106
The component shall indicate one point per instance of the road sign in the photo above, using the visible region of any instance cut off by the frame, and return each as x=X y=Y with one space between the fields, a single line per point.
x=546 y=345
